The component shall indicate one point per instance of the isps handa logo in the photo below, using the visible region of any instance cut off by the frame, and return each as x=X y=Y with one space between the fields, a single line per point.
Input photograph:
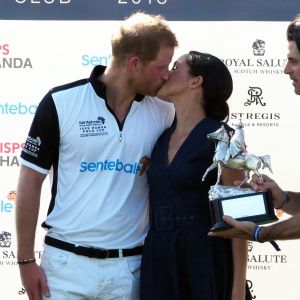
x=9 y=153
x=8 y=61
x=259 y=115
x=256 y=61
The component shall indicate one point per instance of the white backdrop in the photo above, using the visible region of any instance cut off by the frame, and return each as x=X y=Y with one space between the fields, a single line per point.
x=38 y=55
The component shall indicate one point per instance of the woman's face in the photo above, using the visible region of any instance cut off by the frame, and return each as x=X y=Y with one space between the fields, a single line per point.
x=178 y=82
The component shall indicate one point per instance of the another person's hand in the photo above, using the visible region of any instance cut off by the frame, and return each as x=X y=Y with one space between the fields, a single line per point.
x=34 y=281
x=267 y=184
x=256 y=183
x=243 y=229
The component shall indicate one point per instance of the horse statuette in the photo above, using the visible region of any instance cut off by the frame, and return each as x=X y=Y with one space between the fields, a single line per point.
x=241 y=203
x=231 y=153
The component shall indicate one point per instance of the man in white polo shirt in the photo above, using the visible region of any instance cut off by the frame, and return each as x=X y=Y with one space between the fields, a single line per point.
x=93 y=134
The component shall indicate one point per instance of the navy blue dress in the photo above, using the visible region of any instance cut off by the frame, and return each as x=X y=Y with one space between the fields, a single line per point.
x=180 y=262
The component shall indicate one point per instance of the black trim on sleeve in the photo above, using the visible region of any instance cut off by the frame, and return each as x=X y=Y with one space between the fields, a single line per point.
x=41 y=147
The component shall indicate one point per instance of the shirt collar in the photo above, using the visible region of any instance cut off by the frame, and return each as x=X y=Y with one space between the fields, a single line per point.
x=100 y=88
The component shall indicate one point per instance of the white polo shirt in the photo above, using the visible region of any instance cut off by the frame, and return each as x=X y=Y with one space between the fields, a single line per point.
x=98 y=198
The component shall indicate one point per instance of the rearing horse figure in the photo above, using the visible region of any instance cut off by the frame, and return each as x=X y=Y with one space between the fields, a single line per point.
x=242 y=160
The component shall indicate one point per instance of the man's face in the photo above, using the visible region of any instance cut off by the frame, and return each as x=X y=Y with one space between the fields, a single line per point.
x=292 y=68
x=154 y=74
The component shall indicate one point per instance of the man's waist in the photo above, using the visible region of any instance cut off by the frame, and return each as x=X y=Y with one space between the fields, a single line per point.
x=92 y=252
x=112 y=233
x=101 y=240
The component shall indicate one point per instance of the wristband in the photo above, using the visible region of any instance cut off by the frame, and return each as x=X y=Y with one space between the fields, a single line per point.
x=25 y=261
x=255 y=233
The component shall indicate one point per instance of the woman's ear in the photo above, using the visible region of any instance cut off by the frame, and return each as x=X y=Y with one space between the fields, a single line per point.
x=197 y=82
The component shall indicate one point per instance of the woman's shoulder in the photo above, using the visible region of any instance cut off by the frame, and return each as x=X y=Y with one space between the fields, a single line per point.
x=211 y=124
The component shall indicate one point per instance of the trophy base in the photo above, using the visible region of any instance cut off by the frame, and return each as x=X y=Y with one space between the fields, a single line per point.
x=244 y=205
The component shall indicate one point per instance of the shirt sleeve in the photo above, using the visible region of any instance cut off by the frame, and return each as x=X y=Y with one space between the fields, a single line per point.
x=40 y=151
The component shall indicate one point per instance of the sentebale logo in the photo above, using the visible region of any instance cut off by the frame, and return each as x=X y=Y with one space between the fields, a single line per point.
x=110 y=166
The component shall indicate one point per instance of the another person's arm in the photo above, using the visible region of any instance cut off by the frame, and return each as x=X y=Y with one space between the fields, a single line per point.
x=27 y=210
x=287 y=201
x=239 y=247
x=285 y=230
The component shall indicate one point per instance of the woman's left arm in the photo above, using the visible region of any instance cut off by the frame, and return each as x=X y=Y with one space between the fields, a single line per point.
x=239 y=247
x=240 y=255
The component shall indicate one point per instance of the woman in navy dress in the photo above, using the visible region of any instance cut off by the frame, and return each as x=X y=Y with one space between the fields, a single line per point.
x=180 y=261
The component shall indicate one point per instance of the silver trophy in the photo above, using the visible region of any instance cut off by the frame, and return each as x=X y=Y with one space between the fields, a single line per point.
x=240 y=203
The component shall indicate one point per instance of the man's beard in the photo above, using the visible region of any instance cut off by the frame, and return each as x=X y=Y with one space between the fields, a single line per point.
x=146 y=89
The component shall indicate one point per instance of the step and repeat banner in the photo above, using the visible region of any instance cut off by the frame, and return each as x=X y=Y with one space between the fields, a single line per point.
x=45 y=43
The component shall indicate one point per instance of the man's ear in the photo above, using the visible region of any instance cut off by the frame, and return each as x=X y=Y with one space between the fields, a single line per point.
x=133 y=63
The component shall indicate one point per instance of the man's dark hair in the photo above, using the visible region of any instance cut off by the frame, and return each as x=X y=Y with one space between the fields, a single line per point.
x=293 y=31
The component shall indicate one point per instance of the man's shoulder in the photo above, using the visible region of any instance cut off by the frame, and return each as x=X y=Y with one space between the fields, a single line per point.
x=69 y=85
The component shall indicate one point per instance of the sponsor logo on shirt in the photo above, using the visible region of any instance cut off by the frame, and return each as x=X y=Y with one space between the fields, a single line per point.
x=92 y=127
x=32 y=146
x=110 y=166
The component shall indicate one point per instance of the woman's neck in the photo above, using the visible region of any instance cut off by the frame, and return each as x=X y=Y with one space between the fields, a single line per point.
x=187 y=117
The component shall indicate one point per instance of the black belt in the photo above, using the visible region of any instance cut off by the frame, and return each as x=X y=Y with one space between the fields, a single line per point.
x=166 y=218
x=92 y=252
